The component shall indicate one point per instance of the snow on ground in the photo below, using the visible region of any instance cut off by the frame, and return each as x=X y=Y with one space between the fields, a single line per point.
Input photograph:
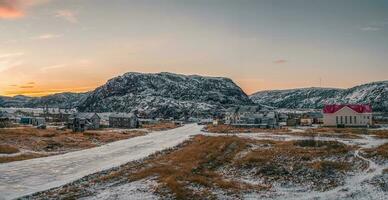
x=137 y=190
x=26 y=177
x=356 y=186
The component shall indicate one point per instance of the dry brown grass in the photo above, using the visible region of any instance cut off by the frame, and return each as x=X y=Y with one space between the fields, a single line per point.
x=383 y=134
x=380 y=151
x=20 y=157
x=223 y=128
x=161 y=126
x=204 y=164
x=303 y=150
x=8 y=149
x=52 y=140
x=195 y=164
x=198 y=162
x=328 y=166
x=331 y=132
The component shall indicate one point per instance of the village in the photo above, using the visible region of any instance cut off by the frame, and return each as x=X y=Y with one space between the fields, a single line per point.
x=340 y=116
x=321 y=142
x=53 y=125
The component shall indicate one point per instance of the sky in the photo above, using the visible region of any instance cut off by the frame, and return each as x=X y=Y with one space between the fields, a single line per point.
x=51 y=46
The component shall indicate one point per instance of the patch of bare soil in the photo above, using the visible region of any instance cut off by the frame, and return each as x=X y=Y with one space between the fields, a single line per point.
x=205 y=167
x=223 y=128
x=44 y=142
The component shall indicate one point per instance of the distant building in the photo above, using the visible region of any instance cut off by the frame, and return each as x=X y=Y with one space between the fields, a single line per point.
x=79 y=122
x=252 y=116
x=347 y=115
x=25 y=120
x=37 y=121
x=5 y=122
x=292 y=121
x=306 y=121
x=123 y=120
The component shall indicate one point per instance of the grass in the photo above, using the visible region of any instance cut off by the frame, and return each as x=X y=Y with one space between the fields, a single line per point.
x=223 y=128
x=330 y=132
x=382 y=134
x=160 y=126
x=287 y=151
x=8 y=149
x=196 y=164
x=205 y=164
x=329 y=166
x=20 y=157
x=380 y=151
x=56 y=141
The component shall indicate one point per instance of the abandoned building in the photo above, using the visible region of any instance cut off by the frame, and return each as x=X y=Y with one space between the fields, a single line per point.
x=37 y=121
x=123 y=120
x=79 y=122
x=252 y=116
x=5 y=122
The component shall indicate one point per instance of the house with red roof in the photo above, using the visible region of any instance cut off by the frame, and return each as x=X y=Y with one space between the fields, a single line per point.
x=347 y=115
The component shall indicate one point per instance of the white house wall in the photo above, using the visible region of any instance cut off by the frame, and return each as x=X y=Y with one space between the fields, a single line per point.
x=362 y=119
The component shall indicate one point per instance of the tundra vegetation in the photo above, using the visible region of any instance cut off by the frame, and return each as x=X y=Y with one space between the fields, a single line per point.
x=210 y=167
x=27 y=142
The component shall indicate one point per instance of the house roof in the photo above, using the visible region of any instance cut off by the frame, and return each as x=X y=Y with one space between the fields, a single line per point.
x=122 y=115
x=356 y=107
x=85 y=115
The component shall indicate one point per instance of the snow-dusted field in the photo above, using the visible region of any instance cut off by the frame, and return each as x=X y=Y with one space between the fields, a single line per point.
x=356 y=186
x=26 y=177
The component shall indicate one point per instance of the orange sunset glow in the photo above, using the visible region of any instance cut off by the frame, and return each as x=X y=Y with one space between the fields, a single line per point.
x=63 y=47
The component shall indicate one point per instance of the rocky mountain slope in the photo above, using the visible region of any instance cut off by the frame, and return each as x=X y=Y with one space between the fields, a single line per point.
x=375 y=93
x=165 y=95
x=60 y=100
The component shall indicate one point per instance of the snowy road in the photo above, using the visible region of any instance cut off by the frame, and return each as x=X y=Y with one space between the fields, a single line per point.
x=26 y=177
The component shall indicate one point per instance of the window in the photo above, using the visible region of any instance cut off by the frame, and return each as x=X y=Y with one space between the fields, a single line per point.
x=336 y=119
x=342 y=120
x=355 y=119
x=350 y=120
x=346 y=119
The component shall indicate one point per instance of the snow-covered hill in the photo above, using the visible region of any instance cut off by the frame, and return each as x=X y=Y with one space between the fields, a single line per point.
x=165 y=95
x=375 y=93
x=60 y=100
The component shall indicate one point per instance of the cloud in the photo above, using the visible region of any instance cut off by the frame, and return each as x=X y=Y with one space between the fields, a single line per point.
x=12 y=9
x=370 y=28
x=67 y=15
x=58 y=66
x=31 y=83
x=280 y=61
x=375 y=26
x=10 y=60
x=9 y=55
x=26 y=86
x=47 y=36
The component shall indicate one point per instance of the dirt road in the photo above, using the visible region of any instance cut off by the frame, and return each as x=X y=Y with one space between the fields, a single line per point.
x=26 y=177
